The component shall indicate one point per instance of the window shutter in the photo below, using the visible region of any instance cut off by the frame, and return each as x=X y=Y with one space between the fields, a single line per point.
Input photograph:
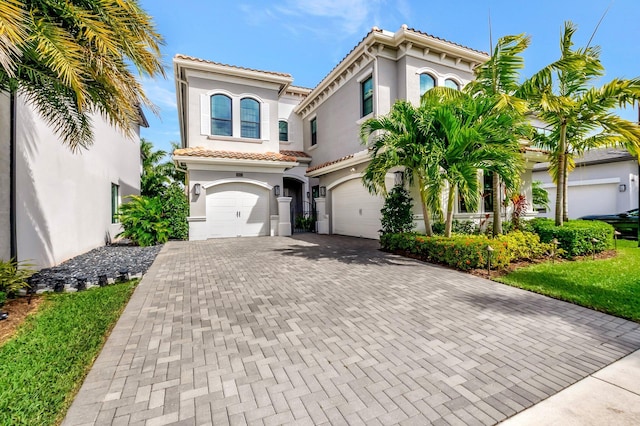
x=264 y=129
x=292 y=127
x=205 y=114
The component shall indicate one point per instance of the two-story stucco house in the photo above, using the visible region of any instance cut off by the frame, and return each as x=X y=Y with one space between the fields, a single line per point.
x=253 y=143
x=55 y=203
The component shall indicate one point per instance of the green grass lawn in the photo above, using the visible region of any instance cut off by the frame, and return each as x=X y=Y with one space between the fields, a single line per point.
x=608 y=285
x=44 y=364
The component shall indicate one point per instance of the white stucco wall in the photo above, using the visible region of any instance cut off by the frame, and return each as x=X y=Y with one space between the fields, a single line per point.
x=64 y=198
x=286 y=105
x=5 y=177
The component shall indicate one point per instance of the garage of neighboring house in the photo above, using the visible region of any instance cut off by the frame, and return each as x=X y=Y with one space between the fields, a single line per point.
x=237 y=209
x=355 y=212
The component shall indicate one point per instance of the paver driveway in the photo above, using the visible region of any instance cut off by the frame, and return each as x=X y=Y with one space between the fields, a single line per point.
x=329 y=330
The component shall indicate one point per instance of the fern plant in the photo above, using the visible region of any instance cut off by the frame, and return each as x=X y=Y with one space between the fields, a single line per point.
x=14 y=275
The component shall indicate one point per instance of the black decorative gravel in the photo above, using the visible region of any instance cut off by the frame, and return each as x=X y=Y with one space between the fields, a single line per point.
x=107 y=260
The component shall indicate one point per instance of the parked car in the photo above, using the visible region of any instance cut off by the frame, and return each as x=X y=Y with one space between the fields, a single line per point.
x=626 y=223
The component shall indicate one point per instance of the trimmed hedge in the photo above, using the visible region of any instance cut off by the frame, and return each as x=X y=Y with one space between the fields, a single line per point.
x=575 y=236
x=522 y=245
x=462 y=252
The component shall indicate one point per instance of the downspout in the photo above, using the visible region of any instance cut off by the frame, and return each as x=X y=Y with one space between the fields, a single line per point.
x=12 y=176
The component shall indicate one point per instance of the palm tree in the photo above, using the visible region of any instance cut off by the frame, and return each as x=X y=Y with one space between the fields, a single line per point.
x=498 y=79
x=153 y=179
x=70 y=59
x=579 y=115
x=467 y=136
x=399 y=142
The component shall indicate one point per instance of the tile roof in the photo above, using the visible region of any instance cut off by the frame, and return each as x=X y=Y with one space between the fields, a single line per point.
x=204 y=152
x=328 y=163
x=298 y=154
x=446 y=41
x=204 y=61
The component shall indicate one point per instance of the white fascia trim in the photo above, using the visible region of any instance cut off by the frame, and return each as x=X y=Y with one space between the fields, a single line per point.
x=588 y=182
x=358 y=158
x=238 y=180
x=351 y=177
x=233 y=162
x=233 y=71
x=365 y=74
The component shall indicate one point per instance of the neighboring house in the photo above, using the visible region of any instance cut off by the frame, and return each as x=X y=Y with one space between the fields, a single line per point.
x=243 y=172
x=604 y=181
x=64 y=203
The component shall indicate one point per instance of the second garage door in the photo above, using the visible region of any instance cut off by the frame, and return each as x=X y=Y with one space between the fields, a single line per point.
x=237 y=210
x=355 y=211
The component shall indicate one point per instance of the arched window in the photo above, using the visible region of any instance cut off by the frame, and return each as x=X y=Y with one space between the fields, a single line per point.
x=249 y=118
x=283 y=126
x=427 y=82
x=451 y=84
x=221 y=115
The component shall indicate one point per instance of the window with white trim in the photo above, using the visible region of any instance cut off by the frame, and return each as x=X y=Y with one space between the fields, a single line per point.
x=221 y=116
x=115 y=202
x=366 y=95
x=314 y=131
x=427 y=82
x=283 y=128
x=249 y=118
x=451 y=84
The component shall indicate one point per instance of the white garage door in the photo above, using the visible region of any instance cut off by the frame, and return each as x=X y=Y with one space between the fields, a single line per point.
x=586 y=200
x=237 y=210
x=355 y=211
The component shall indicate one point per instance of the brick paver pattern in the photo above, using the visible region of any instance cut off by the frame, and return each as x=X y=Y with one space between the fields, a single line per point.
x=330 y=330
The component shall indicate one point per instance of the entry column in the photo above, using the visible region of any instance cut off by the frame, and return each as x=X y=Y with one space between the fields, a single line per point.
x=284 y=213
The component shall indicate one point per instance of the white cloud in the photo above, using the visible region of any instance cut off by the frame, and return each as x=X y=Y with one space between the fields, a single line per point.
x=328 y=18
x=161 y=93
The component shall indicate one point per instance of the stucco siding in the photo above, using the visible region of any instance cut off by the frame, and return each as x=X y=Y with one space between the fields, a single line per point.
x=268 y=141
x=64 y=198
x=337 y=120
x=5 y=176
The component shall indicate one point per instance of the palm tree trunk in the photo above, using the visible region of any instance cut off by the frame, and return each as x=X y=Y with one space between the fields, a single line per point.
x=425 y=210
x=560 y=186
x=449 y=221
x=497 y=217
x=565 y=202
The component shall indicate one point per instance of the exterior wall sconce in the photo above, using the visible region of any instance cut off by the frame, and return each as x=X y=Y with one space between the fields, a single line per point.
x=308 y=194
x=196 y=189
x=276 y=190
x=399 y=178
x=323 y=191
x=622 y=187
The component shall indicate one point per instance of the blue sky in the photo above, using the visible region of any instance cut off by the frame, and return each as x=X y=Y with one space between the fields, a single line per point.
x=307 y=38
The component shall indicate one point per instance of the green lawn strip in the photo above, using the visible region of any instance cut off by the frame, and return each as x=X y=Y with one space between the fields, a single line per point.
x=608 y=285
x=43 y=366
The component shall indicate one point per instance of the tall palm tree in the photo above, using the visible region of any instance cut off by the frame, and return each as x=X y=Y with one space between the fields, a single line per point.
x=499 y=79
x=70 y=59
x=467 y=136
x=399 y=142
x=579 y=115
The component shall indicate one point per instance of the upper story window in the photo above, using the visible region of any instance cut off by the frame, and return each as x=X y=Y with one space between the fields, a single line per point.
x=314 y=132
x=427 y=82
x=283 y=127
x=221 y=124
x=249 y=118
x=451 y=84
x=366 y=89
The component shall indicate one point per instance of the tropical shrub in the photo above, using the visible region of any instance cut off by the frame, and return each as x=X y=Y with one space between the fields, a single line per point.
x=397 y=212
x=3 y=297
x=14 y=276
x=525 y=245
x=458 y=251
x=176 y=209
x=519 y=202
x=305 y=222
x=461 y=227
x=144 y=221
x=576 y=237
